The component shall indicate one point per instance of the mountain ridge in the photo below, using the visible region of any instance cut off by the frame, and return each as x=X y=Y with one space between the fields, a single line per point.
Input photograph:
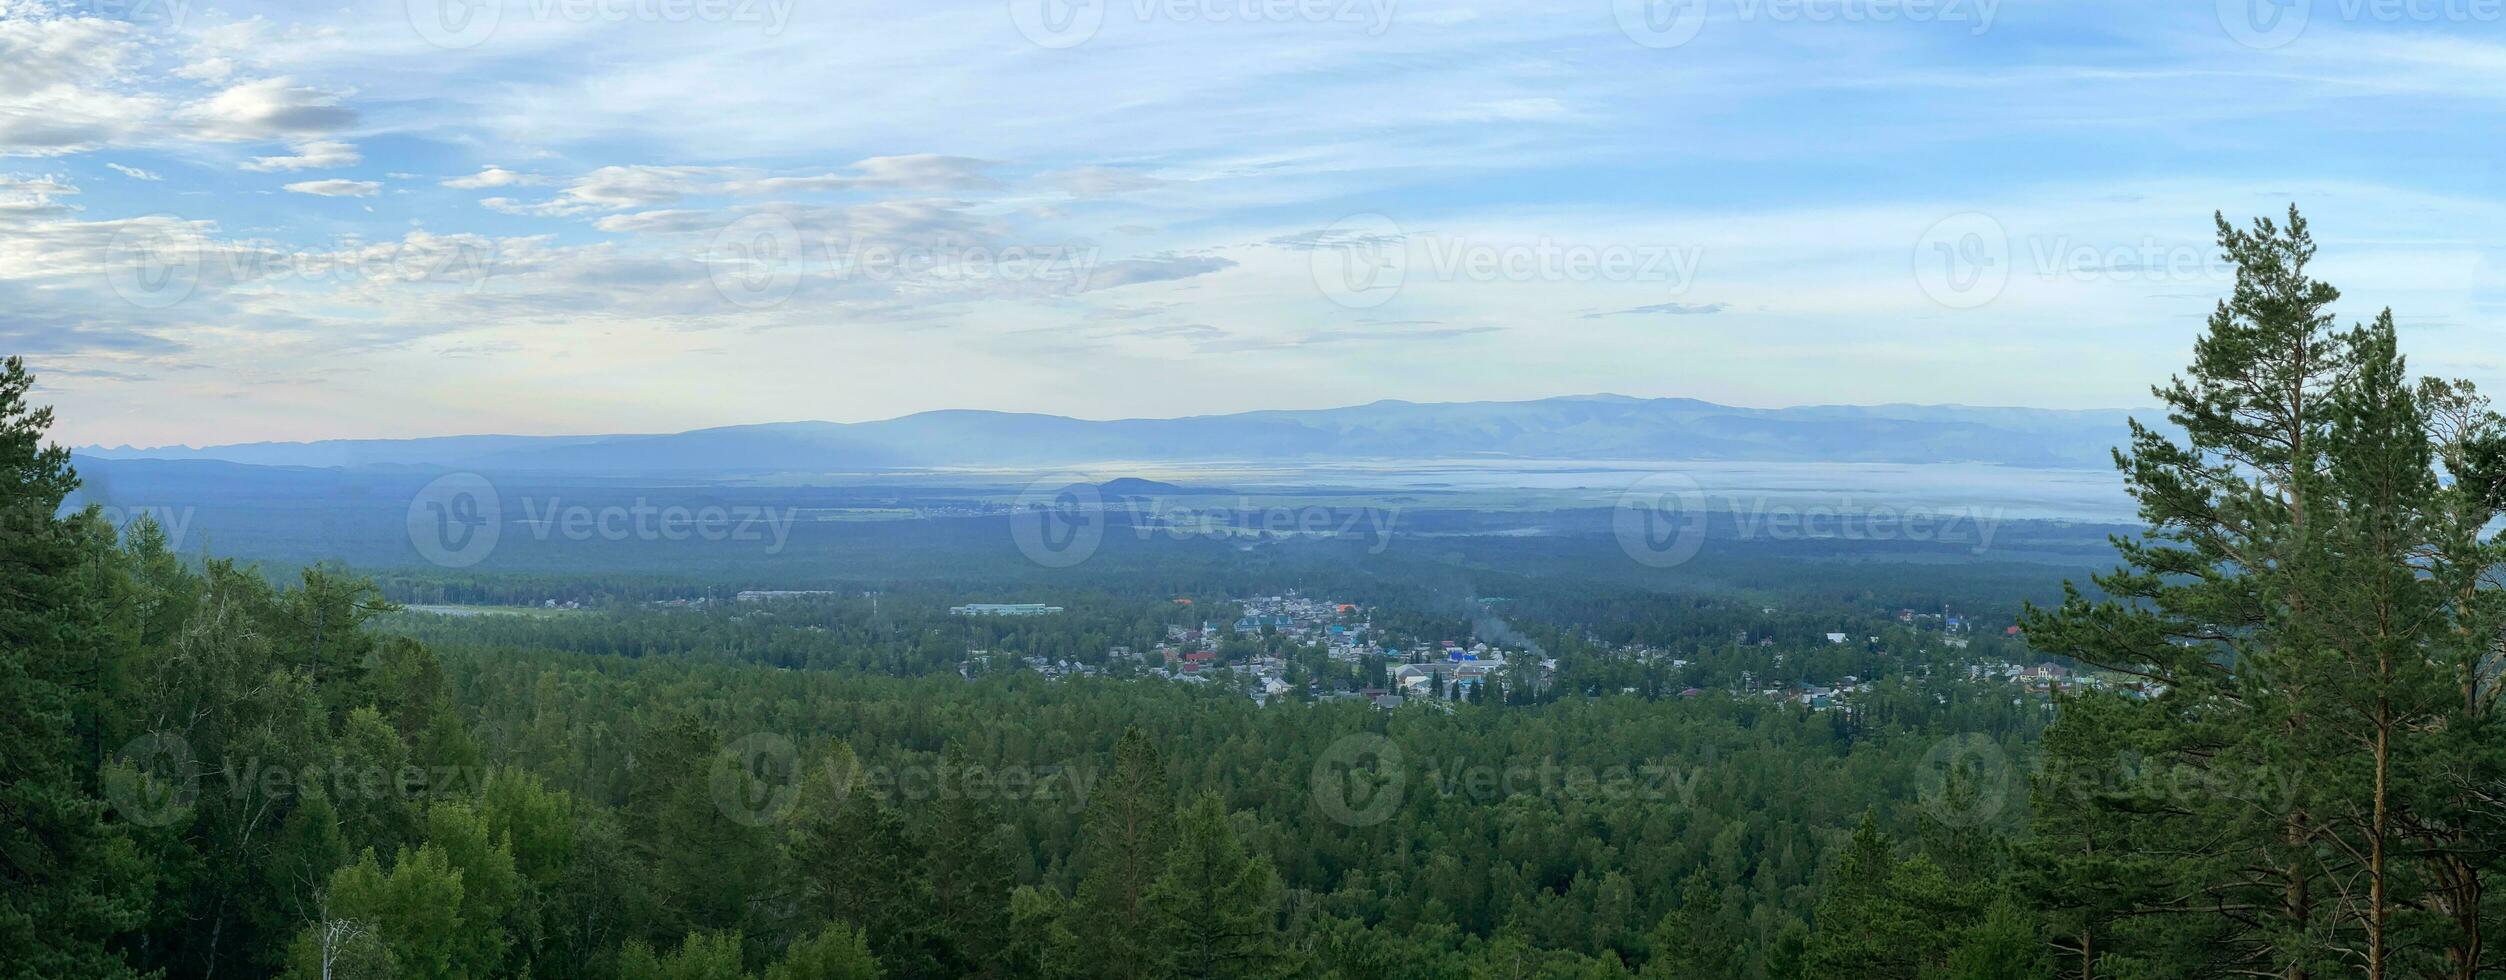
x=1600 y=426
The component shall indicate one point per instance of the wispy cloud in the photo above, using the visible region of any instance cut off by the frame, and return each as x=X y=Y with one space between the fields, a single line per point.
x=310 y=155
x=1663 y=309
x=336 y=188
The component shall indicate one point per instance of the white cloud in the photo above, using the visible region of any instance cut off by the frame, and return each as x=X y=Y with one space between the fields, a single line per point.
x=310 y=155
x=41 y=54
x=134 y=173
x=26 y=198
x=269 y=108
x=336 y=188
x=920 y=171
x=207 y=70
x=493 y=176
x=67 y=85
x=619 y=188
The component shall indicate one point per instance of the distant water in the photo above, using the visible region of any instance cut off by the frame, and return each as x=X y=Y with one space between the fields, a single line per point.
x=2009 y=492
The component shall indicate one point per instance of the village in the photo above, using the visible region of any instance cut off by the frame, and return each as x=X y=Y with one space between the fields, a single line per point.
x=1267 y=653
x=1440 y=671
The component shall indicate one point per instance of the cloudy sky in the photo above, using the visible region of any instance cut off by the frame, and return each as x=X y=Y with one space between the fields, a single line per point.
x=226 y=222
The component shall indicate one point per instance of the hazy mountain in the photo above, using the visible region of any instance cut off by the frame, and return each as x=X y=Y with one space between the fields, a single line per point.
x=1578 y=427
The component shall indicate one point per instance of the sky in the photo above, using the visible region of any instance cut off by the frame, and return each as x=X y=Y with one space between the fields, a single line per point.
x=241 y=222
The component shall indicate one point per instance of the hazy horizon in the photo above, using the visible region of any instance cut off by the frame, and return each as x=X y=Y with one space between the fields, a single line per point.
x=1134 y=418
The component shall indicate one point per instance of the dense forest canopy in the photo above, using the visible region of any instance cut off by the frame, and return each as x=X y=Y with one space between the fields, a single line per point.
x=208 y=773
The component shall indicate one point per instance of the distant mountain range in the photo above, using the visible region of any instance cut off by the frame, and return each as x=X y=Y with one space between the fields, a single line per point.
x=1588 y=427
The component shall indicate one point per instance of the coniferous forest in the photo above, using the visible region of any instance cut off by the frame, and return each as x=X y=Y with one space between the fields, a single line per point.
x=217 y=768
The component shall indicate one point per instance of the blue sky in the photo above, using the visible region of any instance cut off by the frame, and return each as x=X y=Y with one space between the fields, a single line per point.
x=236 y=222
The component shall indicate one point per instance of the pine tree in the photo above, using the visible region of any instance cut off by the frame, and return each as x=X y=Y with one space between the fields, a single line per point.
x=2306 y=611
x=837 y=952
x=1127 y=829
x=969 y=874
x=702 y=956
x=1212 y=907
x=1696 y=938
x=1880 y=917
x=62 y=896
x=857 y=862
